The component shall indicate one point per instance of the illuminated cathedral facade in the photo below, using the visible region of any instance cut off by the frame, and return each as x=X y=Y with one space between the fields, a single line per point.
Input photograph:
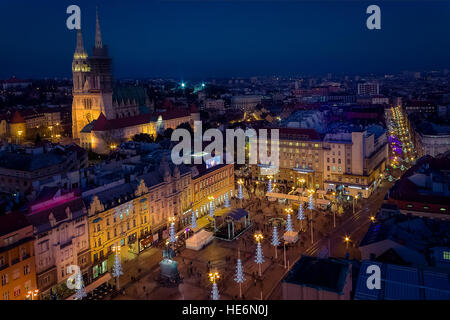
x=104 y=115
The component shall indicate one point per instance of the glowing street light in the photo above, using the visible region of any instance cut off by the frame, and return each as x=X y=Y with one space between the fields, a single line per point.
x=354 y=198
x=259 y=255
x=372 y=218
x=346 y=240
x=32 y=294
x=213 y=277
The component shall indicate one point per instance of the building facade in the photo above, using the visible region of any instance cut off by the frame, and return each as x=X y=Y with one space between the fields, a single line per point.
x=17 y=259
x=134 y=215
x=210 y=182
x=61 y=230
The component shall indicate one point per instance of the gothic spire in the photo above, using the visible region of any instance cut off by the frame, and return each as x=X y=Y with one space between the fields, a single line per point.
x=98 y=34
x=80 y=47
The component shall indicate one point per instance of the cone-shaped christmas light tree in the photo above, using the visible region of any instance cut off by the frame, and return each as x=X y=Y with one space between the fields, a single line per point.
x=172 y=234
x=81 y=291
x=239 y=277
x=275 y=240
x=117 y=267
x=259 y=258
x=300 y=215
x=227 y=201
x=193 y=221
x=215 y=292
x=289 y=223
x=213 y=276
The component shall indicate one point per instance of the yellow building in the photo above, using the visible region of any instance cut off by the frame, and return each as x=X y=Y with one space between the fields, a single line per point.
x=211 y=182
x=133 y=215
x=17 y=260
x=17 y=128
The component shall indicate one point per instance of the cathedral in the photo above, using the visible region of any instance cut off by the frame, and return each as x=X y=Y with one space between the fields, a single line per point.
x=103 y=115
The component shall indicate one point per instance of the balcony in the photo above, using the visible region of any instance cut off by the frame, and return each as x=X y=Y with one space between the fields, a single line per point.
x=14 y=261
x=4 y=266
x=26 y=256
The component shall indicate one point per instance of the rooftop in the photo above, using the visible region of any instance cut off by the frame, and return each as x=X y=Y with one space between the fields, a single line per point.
x=323 y=274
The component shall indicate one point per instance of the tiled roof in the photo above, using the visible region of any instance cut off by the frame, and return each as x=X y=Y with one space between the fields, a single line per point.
x=323 y=274
x=123 y=94
x=29 y=162
x=17 y=118
x=11 y=222
x=299 y=133
x=103 y=124
x=40 y=219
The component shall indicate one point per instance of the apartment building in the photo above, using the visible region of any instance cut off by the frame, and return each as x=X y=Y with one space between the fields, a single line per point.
x=17 y=260
x=300 y=159
x=134 y=214
x=354 y=160
x=60 y=228
x=209 y=180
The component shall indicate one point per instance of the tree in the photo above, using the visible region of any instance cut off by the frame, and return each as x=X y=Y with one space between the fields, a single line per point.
x=117 y=267
x=300 y=215
x=240 y=194
x=211 y=209
x=259 y=259
x=193 y=221
x=168 y=133
x=187 y=126
x=239 y=277
x=269 y=186
x=215 y=292
x=227 y=201
x=143 y=137
x=275 y=240
x=289 y=223
x=172 y=238
x=311 y=202
x=81 y=291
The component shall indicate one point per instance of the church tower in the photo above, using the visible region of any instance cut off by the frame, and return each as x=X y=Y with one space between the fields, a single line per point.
x=92 y=83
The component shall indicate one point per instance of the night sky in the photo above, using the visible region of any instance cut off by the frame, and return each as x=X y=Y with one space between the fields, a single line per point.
x=211 y=38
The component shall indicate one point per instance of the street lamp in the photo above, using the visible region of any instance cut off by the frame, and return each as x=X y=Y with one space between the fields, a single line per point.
x=19 y=134
x=311 y=204
x=302 y=181
x=334 y=210
x=354 y=198
x=117 y=270
x=347 y=240
x=240 y=191
x=211 y=210
x=213 y=277
x=372 y=219
x=32 y=294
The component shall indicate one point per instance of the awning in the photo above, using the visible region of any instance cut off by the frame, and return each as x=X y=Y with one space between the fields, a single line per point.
x=147 y=241
x=97 y=283
x=238 y=214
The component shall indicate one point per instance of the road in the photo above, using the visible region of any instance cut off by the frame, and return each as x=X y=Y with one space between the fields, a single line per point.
x=355 y=227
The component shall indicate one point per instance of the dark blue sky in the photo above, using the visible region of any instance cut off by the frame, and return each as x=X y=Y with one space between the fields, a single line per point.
x=212 y=38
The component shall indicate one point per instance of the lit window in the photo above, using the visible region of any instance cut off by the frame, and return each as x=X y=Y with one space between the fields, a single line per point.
x=446 y=255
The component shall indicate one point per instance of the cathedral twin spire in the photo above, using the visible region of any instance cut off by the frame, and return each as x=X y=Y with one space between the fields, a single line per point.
x=98 y=34
x=79 y=51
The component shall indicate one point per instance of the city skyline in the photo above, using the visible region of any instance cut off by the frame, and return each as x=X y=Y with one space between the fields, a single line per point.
x=204 y=40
